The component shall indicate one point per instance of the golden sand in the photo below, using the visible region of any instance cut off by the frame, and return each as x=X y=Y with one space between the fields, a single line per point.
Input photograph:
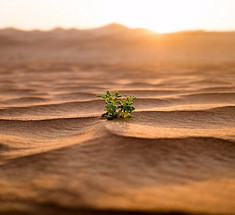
x=57 y=156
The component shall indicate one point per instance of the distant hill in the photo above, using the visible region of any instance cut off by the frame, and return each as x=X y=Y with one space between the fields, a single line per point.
x=116 y=44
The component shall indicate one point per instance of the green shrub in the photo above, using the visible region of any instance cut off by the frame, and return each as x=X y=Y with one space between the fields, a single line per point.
x=116 y=107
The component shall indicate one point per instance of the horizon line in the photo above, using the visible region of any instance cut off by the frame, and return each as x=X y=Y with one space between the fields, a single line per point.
x=112 y=24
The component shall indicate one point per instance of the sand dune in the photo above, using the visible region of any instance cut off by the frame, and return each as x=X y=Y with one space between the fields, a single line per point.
x=175 y=155
x=116 y=44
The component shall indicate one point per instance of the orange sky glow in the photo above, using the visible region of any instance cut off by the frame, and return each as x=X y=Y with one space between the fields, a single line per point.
x=161 y=16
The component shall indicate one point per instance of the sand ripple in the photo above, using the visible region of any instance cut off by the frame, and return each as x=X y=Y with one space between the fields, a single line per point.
x=58 y=156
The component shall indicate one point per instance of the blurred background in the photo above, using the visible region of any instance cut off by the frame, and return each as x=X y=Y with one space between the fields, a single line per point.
x=161 y=16
x=118 y=31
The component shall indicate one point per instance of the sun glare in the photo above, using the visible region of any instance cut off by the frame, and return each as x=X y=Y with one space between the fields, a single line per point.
x=161 y=16
x=157 y=15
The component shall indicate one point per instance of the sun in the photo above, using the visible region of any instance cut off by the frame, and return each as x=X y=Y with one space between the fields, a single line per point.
x=160 y=16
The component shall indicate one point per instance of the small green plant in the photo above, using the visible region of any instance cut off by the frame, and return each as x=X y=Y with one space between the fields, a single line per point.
x=116 y=107
x=125 y=107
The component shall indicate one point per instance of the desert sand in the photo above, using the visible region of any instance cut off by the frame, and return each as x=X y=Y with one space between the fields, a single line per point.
x=175 y=155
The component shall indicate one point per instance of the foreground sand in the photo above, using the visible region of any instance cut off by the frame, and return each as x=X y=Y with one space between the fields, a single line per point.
x=175 y=155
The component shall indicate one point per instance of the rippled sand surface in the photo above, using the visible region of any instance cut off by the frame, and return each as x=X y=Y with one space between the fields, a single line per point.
x=175 y=155
x=57 y=156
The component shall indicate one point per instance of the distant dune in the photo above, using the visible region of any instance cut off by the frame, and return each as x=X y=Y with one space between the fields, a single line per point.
x=116 y=43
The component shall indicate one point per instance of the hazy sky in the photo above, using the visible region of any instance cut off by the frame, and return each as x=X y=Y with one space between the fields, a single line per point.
x=157 y=15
